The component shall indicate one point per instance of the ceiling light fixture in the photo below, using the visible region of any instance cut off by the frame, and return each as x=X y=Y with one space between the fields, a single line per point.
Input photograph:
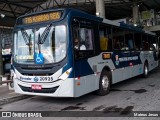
x=2 y=15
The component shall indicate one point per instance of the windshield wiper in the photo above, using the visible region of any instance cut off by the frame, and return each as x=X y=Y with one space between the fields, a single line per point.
x=30 y=44
x=38 y=43
x=43 y=37
x=26 y=37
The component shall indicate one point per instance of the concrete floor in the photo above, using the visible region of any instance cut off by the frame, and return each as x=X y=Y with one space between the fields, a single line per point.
x=136 y=94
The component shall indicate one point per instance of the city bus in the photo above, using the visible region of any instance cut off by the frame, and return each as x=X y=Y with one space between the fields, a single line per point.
x=69 y=53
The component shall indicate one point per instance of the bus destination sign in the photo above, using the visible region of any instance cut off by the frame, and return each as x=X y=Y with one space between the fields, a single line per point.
x=42 y=17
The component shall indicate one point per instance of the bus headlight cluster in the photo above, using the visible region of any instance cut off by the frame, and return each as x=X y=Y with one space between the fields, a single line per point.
x=65 y=74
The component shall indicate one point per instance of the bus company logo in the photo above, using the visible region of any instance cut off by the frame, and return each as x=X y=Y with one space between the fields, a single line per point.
x=117 y=59
x=25 y=78
x=36 y=79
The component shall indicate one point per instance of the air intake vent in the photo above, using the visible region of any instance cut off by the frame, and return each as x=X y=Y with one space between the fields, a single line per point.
x=43 y=90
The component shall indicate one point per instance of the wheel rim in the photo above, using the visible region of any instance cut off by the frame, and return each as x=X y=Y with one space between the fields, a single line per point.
x=146 y=70
x=105 y=82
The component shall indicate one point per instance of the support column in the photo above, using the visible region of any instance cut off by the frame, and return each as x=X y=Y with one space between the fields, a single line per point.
x=100 y=8
x=1 y=59
x=135 y=13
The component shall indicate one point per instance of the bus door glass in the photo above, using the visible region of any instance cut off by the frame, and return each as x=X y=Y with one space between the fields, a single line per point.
x=145 y=46
x=129 y=53
x=82 y=34
x=119 y=47
x=138 y=41
x=138 y=45
x=153 y=47
x=156 y=45
x=118 y=56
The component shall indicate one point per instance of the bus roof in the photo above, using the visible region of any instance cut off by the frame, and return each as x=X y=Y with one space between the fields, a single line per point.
x=114 y=23
x=129 y=27
x=80 y=13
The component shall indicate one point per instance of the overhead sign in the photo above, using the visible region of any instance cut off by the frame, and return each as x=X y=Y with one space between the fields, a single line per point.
x=52 y=16
x=148 y=14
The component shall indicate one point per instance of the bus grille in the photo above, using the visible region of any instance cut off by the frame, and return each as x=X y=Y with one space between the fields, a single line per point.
x=43 y=90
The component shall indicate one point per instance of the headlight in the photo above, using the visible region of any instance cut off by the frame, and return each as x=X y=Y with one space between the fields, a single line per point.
x=65 y=74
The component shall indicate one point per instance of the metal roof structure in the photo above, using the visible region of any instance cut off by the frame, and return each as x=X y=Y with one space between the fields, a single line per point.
x=115 y=9
x=14 y=8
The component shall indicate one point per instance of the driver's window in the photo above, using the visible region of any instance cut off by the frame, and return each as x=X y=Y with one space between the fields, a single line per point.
x=82 y=38
x=76 y=37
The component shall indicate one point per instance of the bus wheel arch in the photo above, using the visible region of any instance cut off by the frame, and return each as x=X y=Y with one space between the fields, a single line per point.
x=145 y=69
x=105 y=82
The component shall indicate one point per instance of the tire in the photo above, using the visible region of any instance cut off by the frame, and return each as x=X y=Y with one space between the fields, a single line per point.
x=104 y=83
x=145 y=70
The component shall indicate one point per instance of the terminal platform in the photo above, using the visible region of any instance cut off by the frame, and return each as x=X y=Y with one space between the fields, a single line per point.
x=7 y=94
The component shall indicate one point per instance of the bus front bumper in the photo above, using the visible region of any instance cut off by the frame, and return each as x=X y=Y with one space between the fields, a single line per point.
x=61 y=88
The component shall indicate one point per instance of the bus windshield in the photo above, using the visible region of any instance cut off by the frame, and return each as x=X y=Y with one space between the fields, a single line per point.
x=41 y=45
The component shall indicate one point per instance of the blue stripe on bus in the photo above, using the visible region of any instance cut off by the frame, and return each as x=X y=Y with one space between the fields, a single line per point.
x=125 y=59
x=69 y=53
x=82 y=68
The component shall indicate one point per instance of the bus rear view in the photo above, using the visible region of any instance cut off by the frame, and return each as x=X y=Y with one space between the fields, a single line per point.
x=40 y=57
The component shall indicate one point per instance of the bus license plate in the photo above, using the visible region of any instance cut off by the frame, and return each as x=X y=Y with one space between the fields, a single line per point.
x=36 y=87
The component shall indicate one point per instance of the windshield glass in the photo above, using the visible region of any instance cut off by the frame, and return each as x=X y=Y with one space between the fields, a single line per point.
x=41 y=45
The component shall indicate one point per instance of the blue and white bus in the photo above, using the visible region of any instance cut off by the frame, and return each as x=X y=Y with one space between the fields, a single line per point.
x=69 y=53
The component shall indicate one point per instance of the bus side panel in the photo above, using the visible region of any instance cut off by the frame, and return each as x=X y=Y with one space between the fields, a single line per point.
x=150 y=58
x=66 y=89
x=153 y=62
x=90 y=74
x=135 y=66
x=127 y=65
x=117 y=75
x=84 y=85
x=85 y=79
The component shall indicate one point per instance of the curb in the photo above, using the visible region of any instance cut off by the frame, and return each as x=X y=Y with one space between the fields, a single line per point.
x=13 y=99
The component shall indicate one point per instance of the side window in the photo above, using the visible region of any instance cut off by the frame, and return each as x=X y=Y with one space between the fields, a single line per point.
x=152 y=43
x=145 y=42
x=138 y=41
x=105 y=38
x=83 y=39
x=75 y=37
x=118 y=39
x=155 y=42
x=129 y=44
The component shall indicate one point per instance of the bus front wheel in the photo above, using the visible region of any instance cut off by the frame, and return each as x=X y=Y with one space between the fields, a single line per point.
x=104 y=83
